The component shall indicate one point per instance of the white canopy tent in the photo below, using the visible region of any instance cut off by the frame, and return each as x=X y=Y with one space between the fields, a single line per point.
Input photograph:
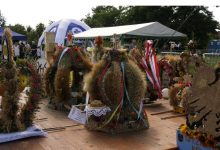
x=152 y=29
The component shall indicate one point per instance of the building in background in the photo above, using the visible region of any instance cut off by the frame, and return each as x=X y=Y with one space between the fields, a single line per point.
x=214 y=46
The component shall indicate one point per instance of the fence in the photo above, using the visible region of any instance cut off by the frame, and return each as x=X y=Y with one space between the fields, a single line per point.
x=170 y=53
x=210 y=58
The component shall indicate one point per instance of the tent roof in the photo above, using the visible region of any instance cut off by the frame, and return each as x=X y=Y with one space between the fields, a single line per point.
x=61 y=29
x=15 y=35
x=152 y=29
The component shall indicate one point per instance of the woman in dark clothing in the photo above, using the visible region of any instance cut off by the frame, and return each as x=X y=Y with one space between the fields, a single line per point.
x=22 y=50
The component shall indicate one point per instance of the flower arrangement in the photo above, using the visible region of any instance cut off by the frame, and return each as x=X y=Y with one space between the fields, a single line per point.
x=98 y=52
x=184 y=67
x=205 y=139
x=167 y=68
x=28 y=111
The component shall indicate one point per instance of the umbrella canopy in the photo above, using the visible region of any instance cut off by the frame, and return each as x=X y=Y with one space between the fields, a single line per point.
x=152 y=29
x=15 y=36
x=61 y=28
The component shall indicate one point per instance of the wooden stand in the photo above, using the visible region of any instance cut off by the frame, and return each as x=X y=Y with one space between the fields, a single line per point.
x=49 y=37
x=49 y=45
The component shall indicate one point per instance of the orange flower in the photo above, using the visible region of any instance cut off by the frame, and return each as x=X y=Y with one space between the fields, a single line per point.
x=98 y=40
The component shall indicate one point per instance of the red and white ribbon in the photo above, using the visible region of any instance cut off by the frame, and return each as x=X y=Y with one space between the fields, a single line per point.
x=151 y=59
x=148 y=72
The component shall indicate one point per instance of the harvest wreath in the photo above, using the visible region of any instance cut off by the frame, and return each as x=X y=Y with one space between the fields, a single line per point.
x=117 y=84
x=13 y=116
x=187 y=66
x=64 y=76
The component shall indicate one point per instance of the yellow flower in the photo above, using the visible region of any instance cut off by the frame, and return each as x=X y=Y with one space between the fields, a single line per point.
x=23 y=81
x=183 y=128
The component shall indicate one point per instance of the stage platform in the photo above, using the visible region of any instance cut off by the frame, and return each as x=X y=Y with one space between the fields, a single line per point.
x=65 y=134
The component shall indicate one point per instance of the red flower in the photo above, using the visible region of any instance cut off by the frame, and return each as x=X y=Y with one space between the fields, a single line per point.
x=30 y=66
x=69 y=36
x=98 y=40
x=35 y=97
x=35 y=85
x=30 y=107
x=79 y=59
x=76 y=49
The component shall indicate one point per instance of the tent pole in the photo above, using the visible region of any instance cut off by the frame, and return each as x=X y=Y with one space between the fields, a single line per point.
x=122 y=39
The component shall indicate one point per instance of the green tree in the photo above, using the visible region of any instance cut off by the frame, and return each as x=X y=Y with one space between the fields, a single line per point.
x=143 y=14
x=39 y=29
x=104 y=16
x=31 y=34
x=2 y=20
x=199 y=24
x=29 y=29
x=18 y=28
x=195 y=21
x=34 y=34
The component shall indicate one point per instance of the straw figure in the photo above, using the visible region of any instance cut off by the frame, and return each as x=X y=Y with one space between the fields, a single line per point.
x=118 y=83
x=13 y=116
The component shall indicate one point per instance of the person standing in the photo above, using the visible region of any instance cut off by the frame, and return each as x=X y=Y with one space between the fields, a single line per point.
x=27 y=46
x=27 y=49
x=34 y=50
x=133 y=44
x=191 y=47
x=16 y=51
x=22 y=49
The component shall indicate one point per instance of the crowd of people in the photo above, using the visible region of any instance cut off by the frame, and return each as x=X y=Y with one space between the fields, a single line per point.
x=23 y=50
x=168 y=46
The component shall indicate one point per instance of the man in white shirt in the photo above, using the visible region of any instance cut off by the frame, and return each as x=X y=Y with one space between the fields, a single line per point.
x=16 y=50
x=27 y=47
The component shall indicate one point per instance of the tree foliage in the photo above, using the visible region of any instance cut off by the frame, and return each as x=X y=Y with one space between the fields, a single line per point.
x=104 y=16
x=39 y=29
x=18 y=28
x=32 y=34
x=195 y=21
x=2 y=20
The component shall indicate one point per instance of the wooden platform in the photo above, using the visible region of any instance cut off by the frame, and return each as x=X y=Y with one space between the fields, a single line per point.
x=160 y=135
